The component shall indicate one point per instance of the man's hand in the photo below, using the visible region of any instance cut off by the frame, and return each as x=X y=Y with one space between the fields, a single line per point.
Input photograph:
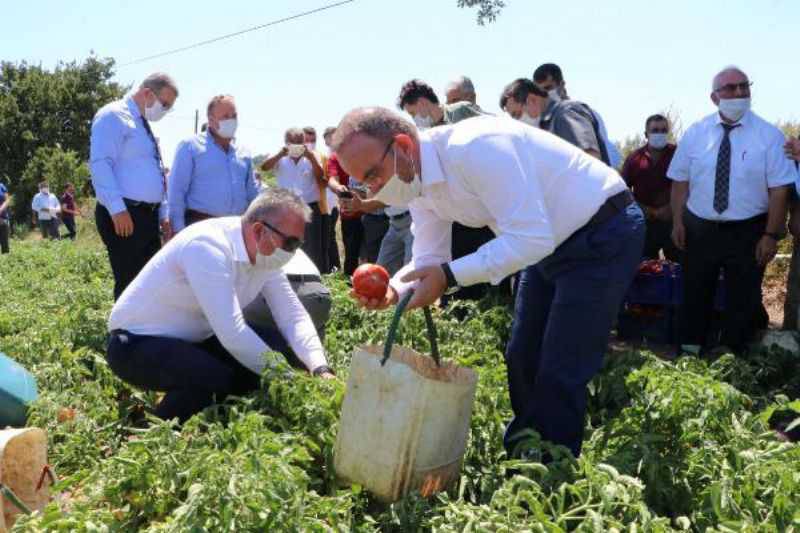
x=327 y=375
x=792 y=149
x=123 y=224
x=376 y=305
x=166 y=229
x=432 y=285
x=679 y=235
x=766 y=249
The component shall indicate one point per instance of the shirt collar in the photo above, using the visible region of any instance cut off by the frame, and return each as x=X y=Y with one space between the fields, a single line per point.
x=431 y=171
x=132 y=106
x=234 y=234
x=210 y=140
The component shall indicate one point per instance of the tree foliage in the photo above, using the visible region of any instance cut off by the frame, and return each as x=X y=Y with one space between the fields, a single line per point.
x=42 y=108
x=487 y=9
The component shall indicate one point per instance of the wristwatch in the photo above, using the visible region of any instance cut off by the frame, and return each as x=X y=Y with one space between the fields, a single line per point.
x=322 y=369
x=452 y=284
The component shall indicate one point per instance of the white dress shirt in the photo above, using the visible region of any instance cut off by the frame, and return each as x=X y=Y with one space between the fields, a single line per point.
x=196 y=287
x=757 y=165
x=531 y=188
x=48 y=201
x=298 y=177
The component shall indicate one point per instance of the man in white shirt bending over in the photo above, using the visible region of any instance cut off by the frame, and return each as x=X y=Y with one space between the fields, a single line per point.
x=178 y=327
x=560 y=215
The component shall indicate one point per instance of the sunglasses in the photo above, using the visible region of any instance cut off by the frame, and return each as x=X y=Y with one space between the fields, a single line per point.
x=290 y=244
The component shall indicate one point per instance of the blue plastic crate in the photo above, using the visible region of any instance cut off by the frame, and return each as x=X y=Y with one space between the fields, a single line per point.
x=655 y=289
x=17 y=391
x=677 y=300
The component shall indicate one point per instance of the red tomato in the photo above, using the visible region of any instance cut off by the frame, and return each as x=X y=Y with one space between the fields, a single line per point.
x=371 y=281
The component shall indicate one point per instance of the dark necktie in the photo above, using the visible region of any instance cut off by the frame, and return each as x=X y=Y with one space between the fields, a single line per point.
x=722 y=183
x=158 y=152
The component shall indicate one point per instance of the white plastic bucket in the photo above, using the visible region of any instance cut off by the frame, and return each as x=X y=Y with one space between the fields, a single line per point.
x=404 y=425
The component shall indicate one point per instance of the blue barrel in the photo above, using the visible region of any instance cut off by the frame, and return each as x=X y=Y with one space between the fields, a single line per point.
x=17 y=391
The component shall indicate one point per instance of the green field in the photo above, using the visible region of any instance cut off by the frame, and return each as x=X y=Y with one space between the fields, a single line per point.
x=670 y=445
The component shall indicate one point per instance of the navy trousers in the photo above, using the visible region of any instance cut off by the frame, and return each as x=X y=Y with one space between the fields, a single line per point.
x=564 y=311
x=192 y=375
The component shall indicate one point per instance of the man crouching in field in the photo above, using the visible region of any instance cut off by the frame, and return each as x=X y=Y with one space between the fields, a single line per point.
x=178 y=327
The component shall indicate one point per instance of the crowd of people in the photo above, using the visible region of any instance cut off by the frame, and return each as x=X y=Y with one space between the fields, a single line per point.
x=212 y=268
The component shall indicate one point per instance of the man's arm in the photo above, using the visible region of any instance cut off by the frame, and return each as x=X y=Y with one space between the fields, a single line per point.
x=315 y=166
x=293 y=321
x=180 y=177
x=253 y=184
x=105 y=146
x=576 y=128
x=270 y=162
x=210 y=275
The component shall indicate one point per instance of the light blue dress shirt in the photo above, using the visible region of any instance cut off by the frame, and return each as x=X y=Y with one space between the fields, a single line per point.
x=123 y=158
x=206 y=178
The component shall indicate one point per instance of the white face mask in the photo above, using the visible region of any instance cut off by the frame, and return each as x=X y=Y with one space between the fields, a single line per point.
x=155 y=112
x=529 y=120
x=227 y=128
x=296 y=150
x=276 y=261
x=45 y=191
x=734 y=108
x=397 y=192
x=554 y=95
x=657 y=140
x=423 y=121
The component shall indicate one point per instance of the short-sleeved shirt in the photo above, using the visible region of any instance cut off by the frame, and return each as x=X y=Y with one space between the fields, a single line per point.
x=68 y=201
x=298 y=176
x=3 y=195
x=460 y=111
x=574 y=122
x=757 y=165
x=647 y=177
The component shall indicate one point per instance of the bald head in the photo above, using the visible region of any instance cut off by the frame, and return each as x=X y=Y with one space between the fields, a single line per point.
x=724 y=77
x=378 y=123
x=460 y=89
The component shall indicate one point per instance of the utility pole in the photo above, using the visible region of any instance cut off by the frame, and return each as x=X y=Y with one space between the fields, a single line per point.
x=196 y=119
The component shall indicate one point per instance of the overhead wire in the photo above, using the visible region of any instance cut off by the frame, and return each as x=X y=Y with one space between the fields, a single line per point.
x=241 y=32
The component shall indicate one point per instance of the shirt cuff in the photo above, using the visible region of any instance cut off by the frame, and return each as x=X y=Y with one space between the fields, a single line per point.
x=316 y=359
x=116 y=206
x=469 y=270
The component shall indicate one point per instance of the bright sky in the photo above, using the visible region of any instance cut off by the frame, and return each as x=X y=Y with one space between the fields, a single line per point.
x=626 y=59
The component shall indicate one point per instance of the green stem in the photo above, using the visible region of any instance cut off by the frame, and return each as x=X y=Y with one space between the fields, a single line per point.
x=9 y=494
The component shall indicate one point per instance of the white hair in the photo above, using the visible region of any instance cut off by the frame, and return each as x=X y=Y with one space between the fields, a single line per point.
x=718 y=75
x=159 y=80
x=271 y=201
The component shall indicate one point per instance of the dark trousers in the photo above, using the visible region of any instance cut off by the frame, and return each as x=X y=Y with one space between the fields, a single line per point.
x=49 y=228
x=329 y=242
x=375 y=228
x=315 y=235
x=712 y=246
x=5 y=230
x=658 y=237
x=192 y=375
x=563 y=314
x=69 y=223
x=467 y=240
x=129 y=255
x=353 y=237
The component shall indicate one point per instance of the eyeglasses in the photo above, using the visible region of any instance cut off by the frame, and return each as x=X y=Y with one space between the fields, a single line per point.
x=290 y=244
x=731 y=87
x=369 y=176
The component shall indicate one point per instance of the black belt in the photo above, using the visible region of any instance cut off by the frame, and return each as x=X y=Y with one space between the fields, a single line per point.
x=610 y=208
x=398 y=217
x=304 y=278
x=726 y=224
x=144 y=205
